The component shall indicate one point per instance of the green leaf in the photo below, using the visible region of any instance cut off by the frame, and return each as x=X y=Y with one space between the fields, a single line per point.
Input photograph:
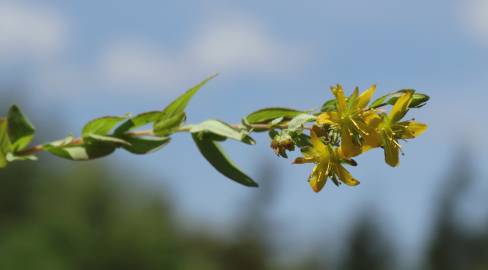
x=5 y=146
x=174 y=115
x=72 y=152
x=11 y=157
x=166 y=126
x=214 y=154
x=138 y=121
x=418 y=99
x=20 y=130
x=80 y=152
x=179 y=105
x=379 y=101
x=105 y=139
x=63 y=142
x=329 y=105
x=68 y=149
x=102 y=125
x=276 y=121
x=298 y=121
x=269 y=114
x=222 y=129
x=246 y=124
x=142 y=146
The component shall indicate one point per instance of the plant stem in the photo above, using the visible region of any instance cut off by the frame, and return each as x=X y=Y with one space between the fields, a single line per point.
x=141 y=133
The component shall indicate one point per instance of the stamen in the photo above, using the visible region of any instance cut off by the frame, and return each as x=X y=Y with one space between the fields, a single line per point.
x=396 y=143
x=358 y=128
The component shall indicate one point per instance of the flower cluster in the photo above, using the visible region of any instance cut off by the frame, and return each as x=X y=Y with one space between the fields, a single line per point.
x=348 y=126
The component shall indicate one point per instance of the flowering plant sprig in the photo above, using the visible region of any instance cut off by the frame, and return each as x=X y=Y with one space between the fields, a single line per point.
x=343 y=128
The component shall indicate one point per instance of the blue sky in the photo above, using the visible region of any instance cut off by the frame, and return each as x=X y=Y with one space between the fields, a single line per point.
x=76 y=60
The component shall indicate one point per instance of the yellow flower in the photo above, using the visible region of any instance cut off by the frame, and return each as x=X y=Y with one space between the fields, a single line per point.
x=349 y=118
x=389 y=129
x=328 y=164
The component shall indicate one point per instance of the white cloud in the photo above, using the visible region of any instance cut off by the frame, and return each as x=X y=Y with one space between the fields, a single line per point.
x=132 y=63
x=241 y=45
x=30 y=32
x=228 y=46
x=474 y=14
x=35 y=36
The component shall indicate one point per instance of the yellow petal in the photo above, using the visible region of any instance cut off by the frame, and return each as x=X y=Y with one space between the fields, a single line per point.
x=318 y=178
x=409 y=129
x=392 y=152
x=340 y=97
x=345 y=176
x=366 y=96
x=372 y=139
x=348 y=147
x=339 y=157
x=339 y=154
x=401 y=106
x=371 y=118
x=329 y=118
x=352 y=100
x=317 y=144
x=366 y=147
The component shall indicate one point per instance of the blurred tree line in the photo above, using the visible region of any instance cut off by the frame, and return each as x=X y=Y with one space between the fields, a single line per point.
x=82 y=217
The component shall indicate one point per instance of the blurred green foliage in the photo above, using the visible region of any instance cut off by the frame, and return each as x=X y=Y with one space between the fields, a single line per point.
x=82 y=217
x=79 y=219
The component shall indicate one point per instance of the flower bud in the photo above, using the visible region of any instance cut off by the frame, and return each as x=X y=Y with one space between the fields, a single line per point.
x=281 y=143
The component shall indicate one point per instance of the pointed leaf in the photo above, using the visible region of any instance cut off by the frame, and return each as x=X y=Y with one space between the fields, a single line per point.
x=223 y=129
x=80 y=152
x=418 y=99
x=379 y=101
x=214 y=154
x=102 y=125
x=269 y=114
x=178 y=106
x=142 y=146
x=174 y=115
x=298 y=121
x=329 y=105
x=69 y=148
x=105 y=139
x=138 y=121
x=20 y=129
x=167 y=126
x=11 y=157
